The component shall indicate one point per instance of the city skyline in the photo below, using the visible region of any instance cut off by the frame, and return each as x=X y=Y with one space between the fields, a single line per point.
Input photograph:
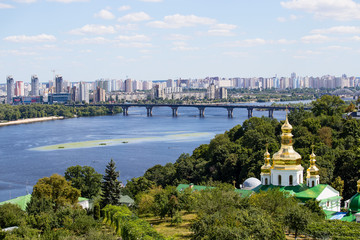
x=160 y=39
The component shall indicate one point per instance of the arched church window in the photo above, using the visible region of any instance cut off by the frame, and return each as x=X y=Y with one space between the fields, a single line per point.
x=290 y=180
x=312 y=183
x=279 y=180
x=266 y=181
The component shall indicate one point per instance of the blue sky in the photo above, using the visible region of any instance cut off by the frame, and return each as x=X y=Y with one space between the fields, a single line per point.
x=160 y=39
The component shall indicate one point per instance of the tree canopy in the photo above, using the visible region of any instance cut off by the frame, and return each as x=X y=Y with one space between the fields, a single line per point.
x=84 y=178
x=56 y=189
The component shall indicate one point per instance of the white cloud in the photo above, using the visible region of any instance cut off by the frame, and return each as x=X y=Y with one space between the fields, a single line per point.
x=335 y=47
x=316 y=38
x=338 y=29
x=18 y=52
x=290 y=18
x=25 y=1
x=67 y=1
x=135 y=17
x=136 y=38
x=178 y=37
x=222 y=30
x=96 y=40
x=179 y=21
x=30 y=39
x=5 y=6
x=93 y=29
x=224 y=26
x=236 y=54
x=356 y=38
x=182 y=46
x=124 y=8
x=334 y=9
x=285 y=41
x=105 y=14
x=134 y=45
x=293 y=17
x=86 y=51
x=151 y=0
x=247 y=43
x=127 y=27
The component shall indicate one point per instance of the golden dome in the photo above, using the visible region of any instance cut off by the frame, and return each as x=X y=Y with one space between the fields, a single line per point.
x=287 y=157
x=266 y=168
x=358 y=186
x=286 y=127
x=313 y=170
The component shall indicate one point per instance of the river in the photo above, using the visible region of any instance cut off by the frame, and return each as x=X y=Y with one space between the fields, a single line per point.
x=135 y=142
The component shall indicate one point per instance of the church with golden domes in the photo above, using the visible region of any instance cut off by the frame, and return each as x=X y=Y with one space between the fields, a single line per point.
x=286 y=173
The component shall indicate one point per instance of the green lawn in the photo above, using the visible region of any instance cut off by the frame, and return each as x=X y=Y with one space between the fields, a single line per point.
x=179 y=232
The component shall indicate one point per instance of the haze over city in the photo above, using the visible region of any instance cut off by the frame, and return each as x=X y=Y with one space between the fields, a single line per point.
x=162 y=39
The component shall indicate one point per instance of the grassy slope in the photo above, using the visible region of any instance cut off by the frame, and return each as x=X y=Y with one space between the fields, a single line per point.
x=178 y=232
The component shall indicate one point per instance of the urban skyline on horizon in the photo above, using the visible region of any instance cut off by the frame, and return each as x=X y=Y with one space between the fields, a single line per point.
x=161 y=39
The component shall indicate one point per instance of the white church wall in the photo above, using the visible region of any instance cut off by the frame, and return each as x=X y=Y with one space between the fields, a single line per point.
x=285 y=177
x=328 y=192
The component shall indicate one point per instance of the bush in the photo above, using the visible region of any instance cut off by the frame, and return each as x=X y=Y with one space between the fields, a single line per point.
x=11 y=215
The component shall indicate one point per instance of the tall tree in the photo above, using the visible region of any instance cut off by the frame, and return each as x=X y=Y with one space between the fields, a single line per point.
x=56 y=189
x=110 y=187
x=84 y=178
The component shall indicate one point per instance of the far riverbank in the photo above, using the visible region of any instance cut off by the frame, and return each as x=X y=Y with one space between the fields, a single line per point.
x=29 y=120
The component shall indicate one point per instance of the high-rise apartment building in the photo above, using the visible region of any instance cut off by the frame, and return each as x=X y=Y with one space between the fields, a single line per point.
x=99 y=95
x=211 y=91
x=34 y=85
x=84 y=92
x=128 y=85
x=59 y=84
x=19 y=88
x=10 y=89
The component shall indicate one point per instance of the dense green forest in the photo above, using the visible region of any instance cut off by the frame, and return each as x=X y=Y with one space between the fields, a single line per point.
x=11 y=112
x=238 y=153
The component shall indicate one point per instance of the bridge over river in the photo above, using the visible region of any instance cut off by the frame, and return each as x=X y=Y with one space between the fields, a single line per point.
x=174 y=107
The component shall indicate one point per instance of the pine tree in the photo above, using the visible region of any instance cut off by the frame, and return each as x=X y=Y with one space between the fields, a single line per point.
x=110 y=187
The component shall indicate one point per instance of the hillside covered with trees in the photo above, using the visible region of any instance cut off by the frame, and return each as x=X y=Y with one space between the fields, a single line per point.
x=238 y=153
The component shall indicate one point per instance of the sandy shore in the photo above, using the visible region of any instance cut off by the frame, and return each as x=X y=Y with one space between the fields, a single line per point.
x=29 y=120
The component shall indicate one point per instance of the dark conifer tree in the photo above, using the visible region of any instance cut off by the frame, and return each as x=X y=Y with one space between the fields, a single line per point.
x=110 y=187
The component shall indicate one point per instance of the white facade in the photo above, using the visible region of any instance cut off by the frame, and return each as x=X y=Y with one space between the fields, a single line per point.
x=329 y=199
x=313 y=181
x=265 y=179
x=286 y=177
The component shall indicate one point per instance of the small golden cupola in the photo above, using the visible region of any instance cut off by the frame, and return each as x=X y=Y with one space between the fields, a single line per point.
x=266 y=169
x=312 y=178
x=286 y=169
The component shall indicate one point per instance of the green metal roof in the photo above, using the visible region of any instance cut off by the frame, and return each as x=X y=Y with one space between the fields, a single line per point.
x=301 y=191
x=354 y=205
x=311 y=193
x=244 y=193
x=22 y=201
x=125 y=199
x=182 y=187
x=80 y=199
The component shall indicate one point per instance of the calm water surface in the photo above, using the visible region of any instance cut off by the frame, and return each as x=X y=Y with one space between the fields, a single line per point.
x=21 y=167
